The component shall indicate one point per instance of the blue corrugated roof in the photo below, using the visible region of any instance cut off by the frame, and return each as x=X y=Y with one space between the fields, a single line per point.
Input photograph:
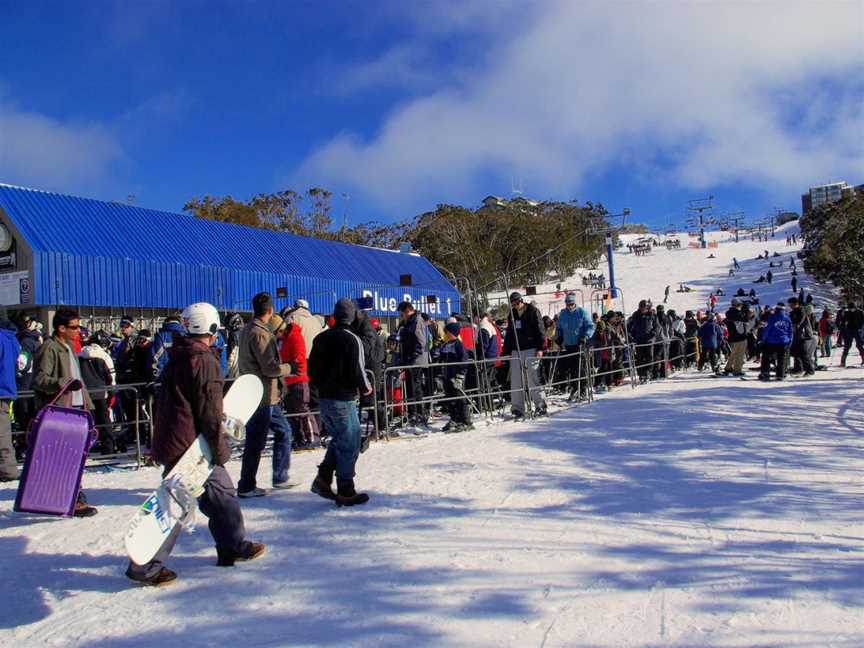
x=96 y=253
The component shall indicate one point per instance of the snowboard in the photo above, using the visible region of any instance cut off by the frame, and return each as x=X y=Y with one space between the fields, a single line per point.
x=174 y=500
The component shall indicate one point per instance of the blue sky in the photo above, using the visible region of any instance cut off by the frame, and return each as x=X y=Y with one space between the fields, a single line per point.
x=402 y=105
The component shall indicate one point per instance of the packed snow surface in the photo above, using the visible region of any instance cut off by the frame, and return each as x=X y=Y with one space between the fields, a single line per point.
x=698 y=511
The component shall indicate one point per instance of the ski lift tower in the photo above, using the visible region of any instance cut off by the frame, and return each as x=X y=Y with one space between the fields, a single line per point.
x=609 y=227
x=701 y=210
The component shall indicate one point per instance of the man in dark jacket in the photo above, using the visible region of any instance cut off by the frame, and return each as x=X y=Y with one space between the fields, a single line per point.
x=337 y=368
x=524 y=343
x=372 y=358
x=414 y=352
x=30 y=339
x=852 y=326
x=642 y=329
x=190 y=404
x=803 y=338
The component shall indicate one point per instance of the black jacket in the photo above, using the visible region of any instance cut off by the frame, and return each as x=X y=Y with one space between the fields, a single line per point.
x=336 y=364
x=802 y=327
x=642 y=327
x=527 y=330
x=852 y=321
x=30 y=342
x=739 y=323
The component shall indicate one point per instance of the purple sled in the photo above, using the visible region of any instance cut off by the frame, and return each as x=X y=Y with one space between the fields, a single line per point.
x=57 y=447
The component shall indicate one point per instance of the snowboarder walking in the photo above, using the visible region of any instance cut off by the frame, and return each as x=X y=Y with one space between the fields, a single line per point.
x=190 y=403
x=769 y=276
x=794 y=284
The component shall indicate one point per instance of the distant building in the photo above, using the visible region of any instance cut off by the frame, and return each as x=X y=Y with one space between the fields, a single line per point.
x=497 y=201
x=826 y=194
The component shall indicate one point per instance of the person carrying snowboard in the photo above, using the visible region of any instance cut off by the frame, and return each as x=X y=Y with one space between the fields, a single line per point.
x=189 y=403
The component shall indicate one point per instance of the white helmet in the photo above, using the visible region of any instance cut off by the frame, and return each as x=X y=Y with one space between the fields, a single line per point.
x=201 y=319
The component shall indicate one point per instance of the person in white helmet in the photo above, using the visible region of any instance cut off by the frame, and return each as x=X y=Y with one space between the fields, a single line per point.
x=190 y=403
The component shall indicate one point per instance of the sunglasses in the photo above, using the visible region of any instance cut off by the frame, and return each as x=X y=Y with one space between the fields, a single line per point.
x=74 y=328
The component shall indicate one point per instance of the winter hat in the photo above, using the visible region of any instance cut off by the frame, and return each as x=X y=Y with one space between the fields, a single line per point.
x=736 y=302
x=570 y=298
x=276 y=323
x=375 y=324
x=688 y=313
x=344 y=311
x=453 y=328
x=301 y=303
x=780 y=306
x=451 y=320
x=515 y=296
x=126 y=321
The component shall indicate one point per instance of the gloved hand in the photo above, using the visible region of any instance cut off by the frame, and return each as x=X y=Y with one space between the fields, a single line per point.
x=458 y=382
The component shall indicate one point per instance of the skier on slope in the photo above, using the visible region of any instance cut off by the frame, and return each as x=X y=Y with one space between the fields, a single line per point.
x=190 y=403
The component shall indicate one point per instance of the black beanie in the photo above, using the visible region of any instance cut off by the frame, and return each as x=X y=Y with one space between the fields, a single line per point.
x=344 y=311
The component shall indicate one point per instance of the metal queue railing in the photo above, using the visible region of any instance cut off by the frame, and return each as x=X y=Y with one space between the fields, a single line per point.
x=486 y=396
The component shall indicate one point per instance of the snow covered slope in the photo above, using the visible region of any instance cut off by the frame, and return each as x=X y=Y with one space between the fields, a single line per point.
x=645 y=277
x=694 y=512
x=691 y=512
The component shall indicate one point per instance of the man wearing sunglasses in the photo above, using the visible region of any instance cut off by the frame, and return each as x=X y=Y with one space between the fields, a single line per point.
x=55 y=365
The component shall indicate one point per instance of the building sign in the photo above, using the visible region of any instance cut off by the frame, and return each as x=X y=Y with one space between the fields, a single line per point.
x=14 y=288
x=385 y=304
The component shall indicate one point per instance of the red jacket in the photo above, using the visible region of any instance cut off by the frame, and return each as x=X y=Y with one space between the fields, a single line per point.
x=294 y=351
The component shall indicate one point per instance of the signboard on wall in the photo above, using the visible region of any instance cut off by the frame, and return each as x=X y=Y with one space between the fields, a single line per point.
x=15 y=288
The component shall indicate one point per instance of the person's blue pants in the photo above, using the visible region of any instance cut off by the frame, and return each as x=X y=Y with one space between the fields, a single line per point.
x=341 y=420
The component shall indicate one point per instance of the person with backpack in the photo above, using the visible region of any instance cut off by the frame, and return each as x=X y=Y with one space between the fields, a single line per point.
x=776 y=340
x=739 y=323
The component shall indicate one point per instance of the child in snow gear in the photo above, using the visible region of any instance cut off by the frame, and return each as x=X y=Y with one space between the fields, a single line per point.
x=189 y=403
x=453 y=351
x=337 y=369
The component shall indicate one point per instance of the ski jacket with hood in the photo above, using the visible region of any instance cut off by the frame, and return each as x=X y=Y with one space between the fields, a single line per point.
x=711 y=335
x=189 y=403
x=642 y=327
x=454 y=351
x=778 y=331
x=336 y=364
x=574 y=325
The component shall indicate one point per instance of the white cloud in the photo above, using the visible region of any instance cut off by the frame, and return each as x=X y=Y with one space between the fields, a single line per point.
x=755 y=94
x=44 y=152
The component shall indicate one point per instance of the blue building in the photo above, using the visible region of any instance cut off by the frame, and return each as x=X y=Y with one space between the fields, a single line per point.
x=107 y=259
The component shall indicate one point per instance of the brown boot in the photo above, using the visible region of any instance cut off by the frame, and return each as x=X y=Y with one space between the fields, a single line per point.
x=347 y=496
x=323 y=484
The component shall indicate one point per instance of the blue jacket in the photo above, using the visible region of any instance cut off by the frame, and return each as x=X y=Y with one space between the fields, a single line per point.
x=574 y=325
x=162 y=346
x=779 y=329
x=9 y=349
x=711 y=335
